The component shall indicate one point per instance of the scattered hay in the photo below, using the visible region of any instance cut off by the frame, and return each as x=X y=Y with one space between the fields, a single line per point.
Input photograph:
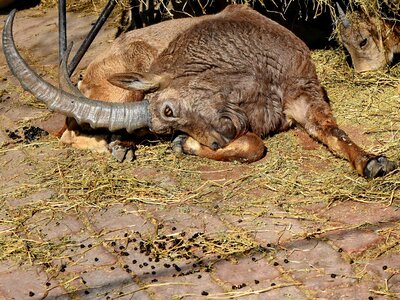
x=292 y=178
x=84 y=6
x=372 y=7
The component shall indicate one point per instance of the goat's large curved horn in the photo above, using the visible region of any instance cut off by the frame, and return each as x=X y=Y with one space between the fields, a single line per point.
x=64 y=81
x=342 y=16
x=98 y=114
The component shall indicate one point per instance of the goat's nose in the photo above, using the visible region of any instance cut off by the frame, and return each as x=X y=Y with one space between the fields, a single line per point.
x=215 y=146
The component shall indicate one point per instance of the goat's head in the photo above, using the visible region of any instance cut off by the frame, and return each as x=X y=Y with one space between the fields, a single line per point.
x=191 y=104
x=183 y=104
x=362 y=37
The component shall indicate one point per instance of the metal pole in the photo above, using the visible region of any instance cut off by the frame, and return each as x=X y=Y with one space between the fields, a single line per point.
x=62 y=29
x=135 y=9
x=91 y=36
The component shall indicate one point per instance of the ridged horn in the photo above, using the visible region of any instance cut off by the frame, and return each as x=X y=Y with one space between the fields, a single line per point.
x=98 y=114
x=64 y=81
x=342 y=16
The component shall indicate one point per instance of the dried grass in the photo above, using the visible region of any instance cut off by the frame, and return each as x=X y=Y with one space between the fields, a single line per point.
x=292 y=177
x=372 y=7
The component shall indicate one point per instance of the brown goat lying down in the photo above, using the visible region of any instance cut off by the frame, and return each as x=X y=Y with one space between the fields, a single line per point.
x=225 y=80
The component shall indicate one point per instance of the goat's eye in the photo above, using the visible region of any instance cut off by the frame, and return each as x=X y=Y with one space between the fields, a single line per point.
x=168 y=112
x=363 y=43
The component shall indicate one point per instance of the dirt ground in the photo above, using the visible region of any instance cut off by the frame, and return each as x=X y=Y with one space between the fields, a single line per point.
x=299 y=224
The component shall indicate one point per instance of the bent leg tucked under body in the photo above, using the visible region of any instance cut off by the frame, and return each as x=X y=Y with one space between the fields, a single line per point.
x=247 y=148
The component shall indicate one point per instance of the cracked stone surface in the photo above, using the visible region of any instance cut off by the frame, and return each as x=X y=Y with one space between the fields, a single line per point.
x=224 y=229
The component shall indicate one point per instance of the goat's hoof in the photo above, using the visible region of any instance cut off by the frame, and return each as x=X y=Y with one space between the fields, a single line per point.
x=186 y=145
x=178 y=143
x=379 y=166
x=121 y=152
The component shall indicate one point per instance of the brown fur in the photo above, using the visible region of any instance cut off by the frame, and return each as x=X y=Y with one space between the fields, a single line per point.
x=216 y=78
x=133 y=51
x=247 y=148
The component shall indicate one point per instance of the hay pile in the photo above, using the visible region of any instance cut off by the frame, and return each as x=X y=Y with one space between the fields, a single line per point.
x=366 y=105
x=387 y=7
x=296 y=174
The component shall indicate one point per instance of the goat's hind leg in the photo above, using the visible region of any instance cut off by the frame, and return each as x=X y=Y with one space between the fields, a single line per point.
x=316 y=118
x=247 y=148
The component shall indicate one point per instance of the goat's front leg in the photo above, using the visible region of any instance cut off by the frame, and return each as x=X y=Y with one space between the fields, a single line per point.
x=247 y=148
x=122 y=150
x=317 y=119
x=77 y=137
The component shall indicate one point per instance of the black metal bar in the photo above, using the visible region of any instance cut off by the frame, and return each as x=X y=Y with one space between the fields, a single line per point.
x=91 y=36
x=151 y=12
x=62 y=29
x=135 y=9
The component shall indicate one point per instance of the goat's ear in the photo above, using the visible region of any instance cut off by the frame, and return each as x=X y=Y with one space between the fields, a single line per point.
x=146 y=82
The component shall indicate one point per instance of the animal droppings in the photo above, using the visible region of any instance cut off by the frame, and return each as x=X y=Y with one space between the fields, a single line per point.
x=63 y=267
x=28 y=135
x=13 y=134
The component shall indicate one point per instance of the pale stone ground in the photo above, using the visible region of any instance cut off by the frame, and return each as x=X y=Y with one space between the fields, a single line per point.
x=108 y=260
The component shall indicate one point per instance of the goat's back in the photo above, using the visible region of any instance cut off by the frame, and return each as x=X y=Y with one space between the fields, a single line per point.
x=133 y=51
